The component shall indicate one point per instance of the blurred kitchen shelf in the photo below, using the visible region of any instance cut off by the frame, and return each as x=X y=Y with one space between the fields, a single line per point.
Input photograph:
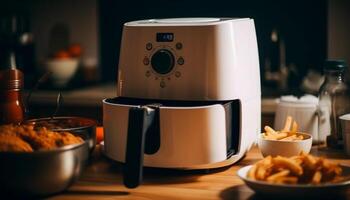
x=85 y=102
x=273 y=92
x=86 y=96
x=268 y=105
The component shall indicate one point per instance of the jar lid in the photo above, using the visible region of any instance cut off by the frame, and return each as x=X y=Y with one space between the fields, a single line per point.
x=11 y=79
x=334 y=65
x=306 y=101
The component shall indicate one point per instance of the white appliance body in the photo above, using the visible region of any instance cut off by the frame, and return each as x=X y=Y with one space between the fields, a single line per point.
x=213 y=60
x=220 y=61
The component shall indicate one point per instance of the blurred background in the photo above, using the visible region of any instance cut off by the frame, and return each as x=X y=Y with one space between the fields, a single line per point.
x=294 y=39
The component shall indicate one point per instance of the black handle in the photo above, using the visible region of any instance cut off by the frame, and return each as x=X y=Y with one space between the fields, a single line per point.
x=140 y=120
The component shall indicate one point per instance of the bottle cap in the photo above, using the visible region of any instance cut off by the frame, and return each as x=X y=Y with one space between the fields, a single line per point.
x=11 y=79
x=334 y=65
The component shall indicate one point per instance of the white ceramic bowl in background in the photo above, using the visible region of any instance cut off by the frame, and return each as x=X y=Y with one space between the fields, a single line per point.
x=62 y=70
x=303 y=111
x=285 y=148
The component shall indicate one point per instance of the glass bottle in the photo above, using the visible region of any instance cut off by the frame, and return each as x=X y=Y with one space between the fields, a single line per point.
x=11 y=85
x=333 y=102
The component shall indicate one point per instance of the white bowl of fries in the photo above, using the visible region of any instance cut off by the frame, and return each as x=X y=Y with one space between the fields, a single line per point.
x=286 y=142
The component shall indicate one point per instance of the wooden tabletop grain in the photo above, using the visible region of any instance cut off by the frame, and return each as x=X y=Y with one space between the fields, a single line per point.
x=102 y=179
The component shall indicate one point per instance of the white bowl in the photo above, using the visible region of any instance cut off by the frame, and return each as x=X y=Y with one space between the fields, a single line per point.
x=62 y=70
x=285 y=148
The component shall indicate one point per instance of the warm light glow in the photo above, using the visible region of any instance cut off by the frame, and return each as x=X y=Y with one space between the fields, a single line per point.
x=274 y=35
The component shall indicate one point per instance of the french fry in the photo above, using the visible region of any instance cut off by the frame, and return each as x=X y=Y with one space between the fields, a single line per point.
x=260 y=170
x=287 y=124
x=331 y=168
x=310 y=162
x=278 y=136
x=294 y=127
x=281 y=136
x=269 y=137
x=297 y=159
x=261 y=173
x=290 y=138
x=300 y=137
x=270 y=130
x=267 y=160
x=316 y=178
x=288 y=164
x=277 y=175
x=252 y=171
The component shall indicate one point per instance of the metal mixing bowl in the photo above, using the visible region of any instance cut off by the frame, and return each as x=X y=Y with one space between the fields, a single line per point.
x=46 y=172
x=41 y=173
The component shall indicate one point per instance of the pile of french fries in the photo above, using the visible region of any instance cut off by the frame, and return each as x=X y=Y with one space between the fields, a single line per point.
x=303 y=169
x=288 y=133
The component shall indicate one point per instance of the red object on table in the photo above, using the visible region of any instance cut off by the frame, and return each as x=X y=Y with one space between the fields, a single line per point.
x=99 y=134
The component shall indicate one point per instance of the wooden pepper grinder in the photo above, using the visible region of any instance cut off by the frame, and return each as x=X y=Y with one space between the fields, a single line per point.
x=11 y=85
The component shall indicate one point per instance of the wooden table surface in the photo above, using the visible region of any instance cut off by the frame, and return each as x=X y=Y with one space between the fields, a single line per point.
x=102 y=179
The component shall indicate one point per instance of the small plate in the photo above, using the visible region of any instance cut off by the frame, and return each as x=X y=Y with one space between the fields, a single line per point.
x=263 y=187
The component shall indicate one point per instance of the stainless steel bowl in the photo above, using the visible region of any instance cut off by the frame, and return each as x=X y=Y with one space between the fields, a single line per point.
x=41 y=173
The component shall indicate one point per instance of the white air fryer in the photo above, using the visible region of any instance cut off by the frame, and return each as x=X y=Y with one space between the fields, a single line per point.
x=188 y=95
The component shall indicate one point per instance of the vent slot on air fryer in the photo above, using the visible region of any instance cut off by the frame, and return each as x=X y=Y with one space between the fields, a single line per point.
x=233 y=126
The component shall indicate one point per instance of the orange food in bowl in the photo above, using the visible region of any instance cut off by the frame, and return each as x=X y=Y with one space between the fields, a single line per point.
x=74 y=50
x=27 y=138
x=61 y=55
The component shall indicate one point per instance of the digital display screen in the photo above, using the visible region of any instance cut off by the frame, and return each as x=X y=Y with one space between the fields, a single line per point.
x=165 y=37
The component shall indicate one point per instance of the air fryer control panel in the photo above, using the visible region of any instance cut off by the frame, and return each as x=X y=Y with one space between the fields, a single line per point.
x=188 y=59
x=163 y=58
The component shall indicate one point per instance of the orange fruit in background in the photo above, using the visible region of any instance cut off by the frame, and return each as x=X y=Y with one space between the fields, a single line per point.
x=74 y=50
x=62 y=54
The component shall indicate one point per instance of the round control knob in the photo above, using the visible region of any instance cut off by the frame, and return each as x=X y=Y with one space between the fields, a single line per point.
x=162 y=61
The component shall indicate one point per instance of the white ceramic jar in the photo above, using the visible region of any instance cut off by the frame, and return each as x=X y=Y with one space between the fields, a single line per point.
x=303 y=110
